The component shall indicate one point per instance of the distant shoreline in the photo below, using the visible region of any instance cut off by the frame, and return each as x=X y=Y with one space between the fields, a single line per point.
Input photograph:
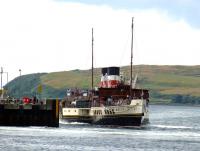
x=175 y=104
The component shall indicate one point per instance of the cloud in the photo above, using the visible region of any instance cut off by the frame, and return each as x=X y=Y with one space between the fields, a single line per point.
x=187 y=9
x=47 y=36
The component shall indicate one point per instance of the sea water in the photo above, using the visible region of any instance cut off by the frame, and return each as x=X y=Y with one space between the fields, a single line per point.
x=171 y=128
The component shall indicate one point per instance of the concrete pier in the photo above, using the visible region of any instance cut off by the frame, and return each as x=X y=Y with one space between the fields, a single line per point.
x=44 y=113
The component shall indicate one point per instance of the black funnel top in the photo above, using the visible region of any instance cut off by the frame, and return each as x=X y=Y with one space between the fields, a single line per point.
x=110 y=71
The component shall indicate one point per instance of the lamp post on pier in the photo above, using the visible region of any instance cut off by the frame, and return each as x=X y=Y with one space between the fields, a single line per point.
x=20 y=73
x=1 y=83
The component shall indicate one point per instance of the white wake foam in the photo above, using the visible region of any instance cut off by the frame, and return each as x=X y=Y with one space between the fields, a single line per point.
x=172 y=126
x=71 y=123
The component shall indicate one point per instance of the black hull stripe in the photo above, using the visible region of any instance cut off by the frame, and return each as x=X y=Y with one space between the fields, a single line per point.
x=111 y=120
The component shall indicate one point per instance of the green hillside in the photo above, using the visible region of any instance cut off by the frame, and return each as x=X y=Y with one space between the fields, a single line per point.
x=167 y=84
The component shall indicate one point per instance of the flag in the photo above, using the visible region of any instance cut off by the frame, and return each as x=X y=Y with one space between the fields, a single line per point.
x=39 y=88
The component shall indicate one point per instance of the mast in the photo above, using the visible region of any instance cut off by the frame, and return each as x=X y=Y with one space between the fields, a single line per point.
x=131 y=58
x=92 y=64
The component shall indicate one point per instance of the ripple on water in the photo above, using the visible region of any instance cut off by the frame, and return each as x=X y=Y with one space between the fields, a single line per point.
x=167 y=131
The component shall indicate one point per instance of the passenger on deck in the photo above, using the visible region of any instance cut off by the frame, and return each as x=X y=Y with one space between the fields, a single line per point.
x=109 y=101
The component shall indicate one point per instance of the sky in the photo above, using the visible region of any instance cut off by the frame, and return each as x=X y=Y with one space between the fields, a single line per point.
x=55 y=35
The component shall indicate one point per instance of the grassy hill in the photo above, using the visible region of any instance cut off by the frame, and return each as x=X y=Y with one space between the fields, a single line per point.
x=167 y=84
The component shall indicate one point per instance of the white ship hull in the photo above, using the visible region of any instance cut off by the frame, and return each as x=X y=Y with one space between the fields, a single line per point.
x=134 y=114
